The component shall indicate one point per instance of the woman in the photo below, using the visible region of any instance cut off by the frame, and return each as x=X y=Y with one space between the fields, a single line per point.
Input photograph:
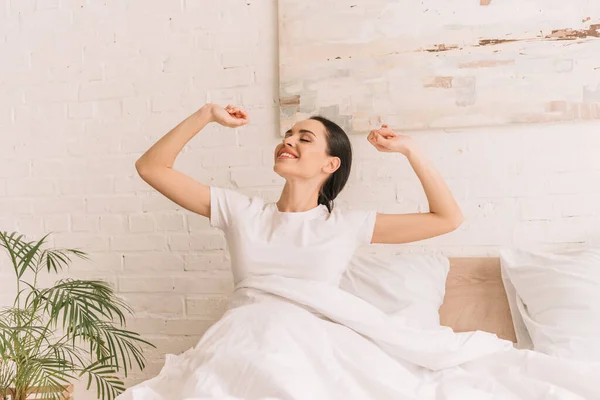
x=314 y=158
x=290 y=331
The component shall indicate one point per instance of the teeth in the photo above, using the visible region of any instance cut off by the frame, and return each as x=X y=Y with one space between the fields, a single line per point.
x=287 y=155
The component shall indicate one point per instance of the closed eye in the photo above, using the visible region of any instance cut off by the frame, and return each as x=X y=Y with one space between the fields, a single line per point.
x=304 y=140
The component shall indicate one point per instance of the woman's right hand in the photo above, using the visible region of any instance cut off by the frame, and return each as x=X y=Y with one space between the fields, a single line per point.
x=230 y=116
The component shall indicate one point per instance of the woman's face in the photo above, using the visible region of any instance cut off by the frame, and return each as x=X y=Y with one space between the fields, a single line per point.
x=303 y=152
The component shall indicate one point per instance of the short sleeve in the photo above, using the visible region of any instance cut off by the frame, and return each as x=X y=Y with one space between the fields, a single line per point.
x=360 y=224
x=225 y=206
x=366 y=228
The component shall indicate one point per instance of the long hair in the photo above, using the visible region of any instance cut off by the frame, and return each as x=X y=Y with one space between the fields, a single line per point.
x=338 y=145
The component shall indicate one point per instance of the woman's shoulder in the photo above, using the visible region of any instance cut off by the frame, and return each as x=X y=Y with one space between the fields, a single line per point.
x=348 y=213
x=357 y=222
x=228 y=205
x=234 y=201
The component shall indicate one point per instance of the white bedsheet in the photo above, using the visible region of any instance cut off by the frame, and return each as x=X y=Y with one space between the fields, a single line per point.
x=285 y=338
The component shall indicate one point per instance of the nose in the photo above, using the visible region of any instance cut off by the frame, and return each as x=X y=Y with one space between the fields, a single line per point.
x=288 y=141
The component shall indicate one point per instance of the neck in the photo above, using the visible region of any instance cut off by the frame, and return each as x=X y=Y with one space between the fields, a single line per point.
x=299 y=196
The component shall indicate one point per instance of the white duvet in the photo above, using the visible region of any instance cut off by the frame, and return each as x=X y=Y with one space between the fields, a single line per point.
x=285 y=338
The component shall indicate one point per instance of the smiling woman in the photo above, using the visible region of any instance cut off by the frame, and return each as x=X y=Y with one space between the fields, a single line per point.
x=318 y=159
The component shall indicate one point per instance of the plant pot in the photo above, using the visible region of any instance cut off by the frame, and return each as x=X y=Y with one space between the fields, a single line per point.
x=67 y=393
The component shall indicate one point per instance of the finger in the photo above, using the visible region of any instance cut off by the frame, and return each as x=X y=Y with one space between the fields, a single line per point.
x=388 y=133
x=381 y=139
x=375 y=139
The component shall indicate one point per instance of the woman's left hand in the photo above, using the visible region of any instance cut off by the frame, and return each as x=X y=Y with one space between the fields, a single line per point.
x=386 y=140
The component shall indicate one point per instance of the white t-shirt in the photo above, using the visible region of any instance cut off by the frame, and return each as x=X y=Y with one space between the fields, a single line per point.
x=262 y=240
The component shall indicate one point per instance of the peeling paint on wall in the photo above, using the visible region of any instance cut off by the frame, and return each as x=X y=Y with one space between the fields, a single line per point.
x=439 y=63
x=492 y=42
x=290 y=101
x=441 y=47
x=444 y=82
x=572 y=34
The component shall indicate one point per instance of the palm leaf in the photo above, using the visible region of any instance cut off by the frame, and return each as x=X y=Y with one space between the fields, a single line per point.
x=63 y=350
x=76 y=302
x=120 y=346
x=124 y=346
x=57 y=259
x=79 y=307
x=16 y=247
x=6 y=336
x=13 y=332
x=102 y=372
x=27 y=256
x=52 y=374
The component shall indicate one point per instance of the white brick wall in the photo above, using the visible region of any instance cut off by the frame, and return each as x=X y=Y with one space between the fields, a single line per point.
x=86 y=87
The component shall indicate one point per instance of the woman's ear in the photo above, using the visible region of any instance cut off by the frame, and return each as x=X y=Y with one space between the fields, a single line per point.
x=333 y=163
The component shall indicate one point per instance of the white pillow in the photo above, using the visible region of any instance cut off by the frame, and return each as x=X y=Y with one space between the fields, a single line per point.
x=405 y=286
x=558 y=298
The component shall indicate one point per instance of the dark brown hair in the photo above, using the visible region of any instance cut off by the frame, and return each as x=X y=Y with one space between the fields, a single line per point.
x=338 y=145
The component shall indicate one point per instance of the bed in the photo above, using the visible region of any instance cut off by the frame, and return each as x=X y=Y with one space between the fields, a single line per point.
x=286 y=338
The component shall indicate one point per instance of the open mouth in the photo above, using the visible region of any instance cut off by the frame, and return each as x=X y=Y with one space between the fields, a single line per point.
x=286 y=155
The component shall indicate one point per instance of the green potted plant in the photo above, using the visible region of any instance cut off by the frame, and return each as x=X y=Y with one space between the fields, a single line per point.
x=51 y=336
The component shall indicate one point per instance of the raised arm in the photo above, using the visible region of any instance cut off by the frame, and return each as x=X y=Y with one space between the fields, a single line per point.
x=155 y=166
x=444 y=213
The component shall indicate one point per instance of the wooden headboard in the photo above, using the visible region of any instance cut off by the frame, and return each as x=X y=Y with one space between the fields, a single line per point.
x=476 y=299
